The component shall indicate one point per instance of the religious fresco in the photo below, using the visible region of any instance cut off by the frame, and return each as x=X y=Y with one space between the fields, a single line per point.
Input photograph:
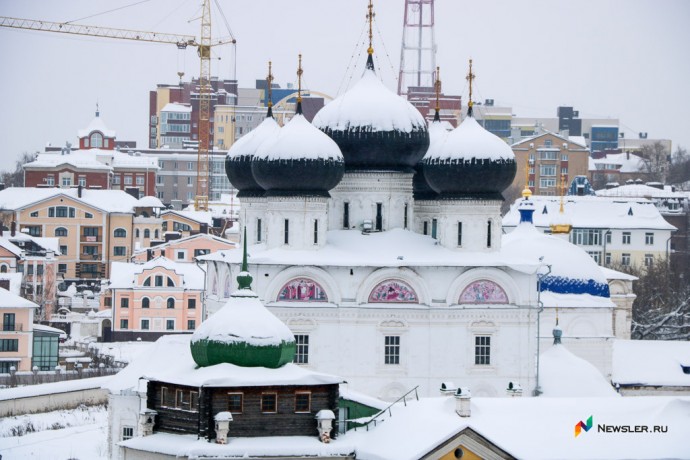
x=483 y=291
x=393 y=291
x=302 y=290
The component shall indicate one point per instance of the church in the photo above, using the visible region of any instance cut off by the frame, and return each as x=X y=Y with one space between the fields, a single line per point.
x=377 y=239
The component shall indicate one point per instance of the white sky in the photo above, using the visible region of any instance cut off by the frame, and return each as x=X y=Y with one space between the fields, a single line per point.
x=607 y=58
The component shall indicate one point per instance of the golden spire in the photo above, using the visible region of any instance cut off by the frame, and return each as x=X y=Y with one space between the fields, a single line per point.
x=437 y=87
x=526 y=192
x=299 y=80
x=561 y=225
x=562 y=191
x=370 y=17
x=269 y=81
x=470 y=77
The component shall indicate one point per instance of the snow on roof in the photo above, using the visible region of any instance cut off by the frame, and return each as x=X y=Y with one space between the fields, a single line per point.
x=96 y=124
x=169 y=359
x=372 y=106
x=639 y=191
x=10 y=300
x=122 y=274
x=52 y=388
x=49 y=243
x=190 y=446
x=470 y=140
x=106 y=200
x=82 y=159
x=534 y=428
x=616 y=275
x=196 y=236
x=299 y=139
x=11 y=247
x=349 y=394
x=651 y=362
x=392 y=248
x=150 y=202
x=438 y=133
x=15 y=281
x=624 y=162
x=562 y=374
x=248 y=144
x=41 y=327
x=594 y=212
x=175 y=107
x=202 y=217
x=579 y=140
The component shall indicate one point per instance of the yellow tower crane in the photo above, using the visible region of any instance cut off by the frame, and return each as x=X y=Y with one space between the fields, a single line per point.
x=204 y=45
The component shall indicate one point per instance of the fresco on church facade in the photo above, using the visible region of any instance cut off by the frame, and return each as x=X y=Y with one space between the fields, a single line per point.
x=483 y=291
x=302 y=290
x=393 y=291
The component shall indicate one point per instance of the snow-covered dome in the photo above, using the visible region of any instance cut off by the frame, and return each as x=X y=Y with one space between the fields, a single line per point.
x=437 y=136
x=374 y=127
x=243 y=333
x=299 y=159
x=150 y=202
x=562 y=374
x=470 y=162
x=238 y=163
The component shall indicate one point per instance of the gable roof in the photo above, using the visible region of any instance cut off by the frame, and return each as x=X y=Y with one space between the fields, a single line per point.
x=117 y=201
x=122 y=274
x=569 y=140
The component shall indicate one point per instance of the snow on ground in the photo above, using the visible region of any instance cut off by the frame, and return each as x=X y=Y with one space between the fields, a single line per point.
x=83 y=436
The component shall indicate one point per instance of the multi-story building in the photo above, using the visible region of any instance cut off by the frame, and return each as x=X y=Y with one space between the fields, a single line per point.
x=185 y=249
x=549 y=157
x=175 y=127
x=155 y=298
x=16 y=334
x=615 y=168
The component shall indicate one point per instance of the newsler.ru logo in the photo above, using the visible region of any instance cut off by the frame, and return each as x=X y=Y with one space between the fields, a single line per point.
x=604 y=428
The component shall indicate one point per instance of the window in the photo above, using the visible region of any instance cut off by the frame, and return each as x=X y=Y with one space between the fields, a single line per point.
x=586 y=237
x=170 y=302
x=547 y=170
x=147 y=281
x=459 y=233
x=140 y=180
x=136 y=233
x=127 y=432
x=201 y=252
x=626 y=237
x=88 y=215
x=124 y=324
x=379 y=217
x=180 y=255
x=405 y=212
x=346 y=215
x=124 y=302
x=482 y=350
x=649 y=238
x=147 y=233
x=547 y=183
x=159 y=280
x=145 y=302
x=488 y=233
x=235 y=403
x=63 y=249
x=165 y=397
x=96 y=140
x=34 y=214
x=62 y=268
x=302 y=401
x=425 y=228
x=608 y=237
x=258 y=230
x=564 y=157
x=302 y=349
x=169 y=324
x=316 y=232
x=128 y=180
x=269 y=403
x=191 y=304
x=181 y=399
x=191 y=324
x=34 y=230
x=145 y=324
x=120 y=233
x=286 y=231
x=50 y=181
x=194 y=400
x=116 y=180
x=5 y=366
x=171 y=283
x=392 y=349
x=625 y=259
x=596 y=255
x=119 y=251
x=434 y=228
x=190 y=165
x=9 y=344
x=61 y=231
x=548 y=155
x=66 y=181
x=607 y=258
x=82 y=181
x=648 y=260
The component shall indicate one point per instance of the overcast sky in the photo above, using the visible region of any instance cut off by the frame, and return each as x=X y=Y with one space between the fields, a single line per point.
x=620 y=59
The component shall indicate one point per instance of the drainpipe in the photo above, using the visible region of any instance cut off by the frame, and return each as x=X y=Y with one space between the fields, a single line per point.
x=540 y=305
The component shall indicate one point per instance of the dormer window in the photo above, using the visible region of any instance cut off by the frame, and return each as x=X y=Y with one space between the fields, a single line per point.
x=96 y=140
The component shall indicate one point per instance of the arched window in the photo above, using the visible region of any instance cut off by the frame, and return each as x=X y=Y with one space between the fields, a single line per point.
x=96 y=140
x=61 y=231
x=145 y=302
x=171 y=302
x=155 y=234
x=3 y=268
x=147 y=233
x=171 y=283
x=393 y=291
x=120 y=233
x=302 y=290
x=147 y=282
x=483 y=291
x=136 y=233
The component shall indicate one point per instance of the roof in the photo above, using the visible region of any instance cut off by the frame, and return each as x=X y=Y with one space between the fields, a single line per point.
x=651 y=362
x=639 y=191
x=16 y=198
x=578 y=140
x=122 y=274
x=175 y=107
x=562 y=374
x=624 y=162
x=49 y=243
x=202 y=217
x=7 y=244
x=96 y=124
x=205 y=236
x=93 y=159
x=15 y=281
x=10 y=300
x=150 y=202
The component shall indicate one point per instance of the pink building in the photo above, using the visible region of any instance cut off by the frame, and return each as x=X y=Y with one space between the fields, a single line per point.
x=185 y=249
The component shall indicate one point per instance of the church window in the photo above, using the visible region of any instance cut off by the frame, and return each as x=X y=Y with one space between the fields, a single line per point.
x=258 y=230
x=425 y=228
x=147 y=233
x=393 y=291
x=302 y=350
x=379 y=217
x=346 y=215
x=405 y=216
x=170 y=302
x=127 y=432
x=392 y=349
x=145 y=302
x=488 y=233
x=286 y=232
x=316 y=232
x=482 y=350
x=459 y=234
x=483 y=291
x=434 y=228
x=302 y=290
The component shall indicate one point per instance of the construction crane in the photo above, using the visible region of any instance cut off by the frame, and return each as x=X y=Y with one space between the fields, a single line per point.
x=204 y=46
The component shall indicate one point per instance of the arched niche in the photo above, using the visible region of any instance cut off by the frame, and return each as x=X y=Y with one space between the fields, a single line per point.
x=483 y=291
x=393 y=291
x=302 y=289
x=404 y=276
x=324 y=289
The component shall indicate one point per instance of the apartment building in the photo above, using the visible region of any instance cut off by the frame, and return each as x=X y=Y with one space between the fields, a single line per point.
x=16 y=334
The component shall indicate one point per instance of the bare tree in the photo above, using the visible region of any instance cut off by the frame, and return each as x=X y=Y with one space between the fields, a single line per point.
x=16 y=178
x=679 y=171
x=655 y=161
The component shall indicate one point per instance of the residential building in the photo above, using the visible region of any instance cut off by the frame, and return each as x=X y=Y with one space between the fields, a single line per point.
x=16 y=334
x=615 y=168
x=550 y=159
x=603 y=137
x=154 y=298
x=424 y=99
x=185 y=249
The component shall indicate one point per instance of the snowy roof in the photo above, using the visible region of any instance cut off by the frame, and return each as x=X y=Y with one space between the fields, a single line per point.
x=122 y=273
x=150 y=202
x=392 y=248
x=41 y=327
x=299 y=139
x=349 y=394
x=202 y=217
x=616 y=275
x=82 y=159
x=471 y=140
x=639 y=191
x=49 y=243
x=651 y=362
x=372 y=106
x=534 y=428
x=15 y=281
x=624 y=162
x=579 y=140
x=66 y=386
x=107 y=200
x=437 y=136
x=562 y=374
x=5 y=243
x=248 y=144
x=169 y=359
x=10 y=300
x=594 y=212
x=175 y=107
x=96 y=124
x=196 y=236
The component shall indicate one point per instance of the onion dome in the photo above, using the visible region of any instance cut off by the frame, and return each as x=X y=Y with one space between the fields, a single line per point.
x=437 y=136
x=375 y=128
x=238 y=163
x=299 y=160
x=243 y=332
x=472 y=162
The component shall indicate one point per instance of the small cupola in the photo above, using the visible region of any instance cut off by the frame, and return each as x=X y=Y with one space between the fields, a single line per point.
x=437 y=136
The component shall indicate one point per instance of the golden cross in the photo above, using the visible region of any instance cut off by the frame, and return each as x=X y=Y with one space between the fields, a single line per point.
x=269 y=80
x=370 y=17
x=470 y=77
x=437 y=86
x=299 y=80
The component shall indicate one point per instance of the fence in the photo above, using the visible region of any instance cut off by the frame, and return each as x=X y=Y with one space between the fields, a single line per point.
x=15 y=379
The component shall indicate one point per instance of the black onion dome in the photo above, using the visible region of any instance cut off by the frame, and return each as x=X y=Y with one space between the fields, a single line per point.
x=238 y=162
x=300 y=160
x=471 y=162
x=374 y=128
x=437 y=136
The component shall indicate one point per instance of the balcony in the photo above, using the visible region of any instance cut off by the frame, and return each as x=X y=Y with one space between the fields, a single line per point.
x=17 y=327
x=90 y=238
x=90 y=257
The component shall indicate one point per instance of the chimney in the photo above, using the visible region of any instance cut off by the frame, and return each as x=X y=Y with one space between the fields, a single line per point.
x=13 y=228
x=462 y=402
x=514 y=389
x=79 y=190
x=448 y=388
x=147 y=418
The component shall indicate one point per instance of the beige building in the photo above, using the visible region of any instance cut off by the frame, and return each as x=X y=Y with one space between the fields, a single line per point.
x=550 y=156
x=16 y=334
x=185 y=249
